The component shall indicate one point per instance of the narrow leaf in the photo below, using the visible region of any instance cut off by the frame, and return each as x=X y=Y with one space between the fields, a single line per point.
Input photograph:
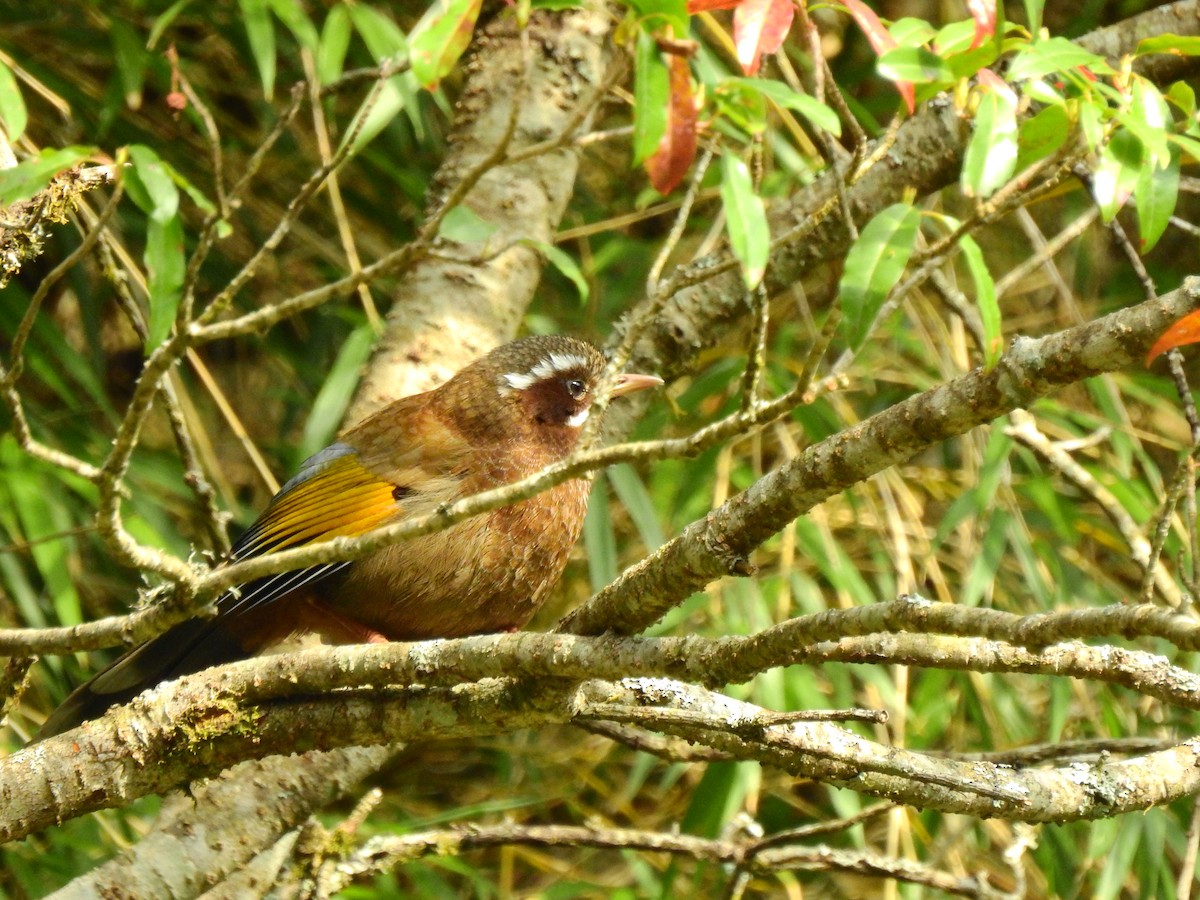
x=153 y=190
x=984 y=14
x=292 y=15
x=12 y=106
x=165 y=267
x=440 y=38
x=759 y=27
x=1117 y=172
x=1041 y=135
x=334 y=43
x=985 y=299
x=991 y=156
x=812 y=109
x=1175 y=44
x=1053 y=55
x=565 y=263
x=465 y=226
x=874 y=266
x=1033 y=14
x=1155 y=194
x=670 y=162
x=260 y=32
x=1183 y=332
x=331 y=401
x=651 y=94
x=745 y=220
x=881 y=41
x=914 y=64
x=28 y=177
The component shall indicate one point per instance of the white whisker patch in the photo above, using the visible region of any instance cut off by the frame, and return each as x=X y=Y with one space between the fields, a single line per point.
x=579 y=418
x=555 y=364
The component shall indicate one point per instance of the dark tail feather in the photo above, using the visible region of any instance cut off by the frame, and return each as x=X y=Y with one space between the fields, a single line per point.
x=188 y=647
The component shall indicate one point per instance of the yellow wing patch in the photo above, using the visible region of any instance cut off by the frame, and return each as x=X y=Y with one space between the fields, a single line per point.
x=342 y=499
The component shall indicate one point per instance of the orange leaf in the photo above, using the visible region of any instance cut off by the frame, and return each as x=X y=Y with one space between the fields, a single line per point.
x=695 y=6
x=759 y=26
x=1185 y=331
x=667 y=165
x=984 y=14
x=881 y=41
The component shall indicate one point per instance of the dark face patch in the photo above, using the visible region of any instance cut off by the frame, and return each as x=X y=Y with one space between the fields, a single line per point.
x=560 y=400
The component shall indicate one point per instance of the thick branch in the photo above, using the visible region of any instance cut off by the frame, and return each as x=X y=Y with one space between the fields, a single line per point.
x=722 y=542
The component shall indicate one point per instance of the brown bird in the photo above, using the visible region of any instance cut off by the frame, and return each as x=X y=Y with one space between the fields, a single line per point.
x=503 y=417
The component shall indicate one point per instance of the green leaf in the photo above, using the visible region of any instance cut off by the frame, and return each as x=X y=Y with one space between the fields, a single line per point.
x=874 y=266
x=153 y=189
x=1175 y=44
x=12 y=106
x=565 y=264
x=654 y=14
x=28 y=177
x=260 y=32
x=991 y=156
x=391 y=100
x=292 y=15
x=334 y=396
x=1149 y=118
x=464 y=225
x=600 y=544
x=1117 y=172
x=651 y=95
x=131 y=59
x=911 y=32
x=915 y=64
x=165 y=267
x=1091 y=123
x=1181 y=94
x=151 y=186
x=1033 y=14
x=1054 y=55
x=440 y=38
x=745 y=220
x=638 y=502
x=812 y=109
x=1156 y=193
x=967 y=63
x=985 y=299
x=383 y=37
x=1041 y=135
x=335 y=41
x=163 y=22
x=954 y=38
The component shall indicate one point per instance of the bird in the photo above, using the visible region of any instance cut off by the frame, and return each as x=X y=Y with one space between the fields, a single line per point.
x=503 y=417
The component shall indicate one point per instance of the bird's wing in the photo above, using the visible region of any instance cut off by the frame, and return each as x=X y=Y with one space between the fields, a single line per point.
x=332 y=495
x=372 y=476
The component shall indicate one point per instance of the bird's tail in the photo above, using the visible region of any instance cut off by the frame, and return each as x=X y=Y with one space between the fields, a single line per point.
x=188 y=647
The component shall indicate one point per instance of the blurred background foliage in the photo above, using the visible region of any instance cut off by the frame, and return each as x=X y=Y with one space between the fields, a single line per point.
x=978 y=521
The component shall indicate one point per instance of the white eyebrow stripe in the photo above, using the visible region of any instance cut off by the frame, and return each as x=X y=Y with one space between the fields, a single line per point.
x=552 y=365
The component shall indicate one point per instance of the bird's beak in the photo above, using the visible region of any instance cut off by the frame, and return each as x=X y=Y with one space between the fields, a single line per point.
x=629 y=382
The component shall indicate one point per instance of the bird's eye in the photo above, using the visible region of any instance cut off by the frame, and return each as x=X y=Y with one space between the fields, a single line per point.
x=576 y=388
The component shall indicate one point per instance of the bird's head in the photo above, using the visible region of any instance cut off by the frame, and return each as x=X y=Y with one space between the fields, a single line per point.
x=537 y=389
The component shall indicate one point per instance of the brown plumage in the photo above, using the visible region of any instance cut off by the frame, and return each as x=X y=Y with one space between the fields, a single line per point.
x=505 y=416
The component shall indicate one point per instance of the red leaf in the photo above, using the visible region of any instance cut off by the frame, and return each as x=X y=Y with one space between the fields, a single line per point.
x=667 y=165
x=1185 y=331
x=695 y=6
x=759 y=26
x=984 y=14
x=881 y=41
